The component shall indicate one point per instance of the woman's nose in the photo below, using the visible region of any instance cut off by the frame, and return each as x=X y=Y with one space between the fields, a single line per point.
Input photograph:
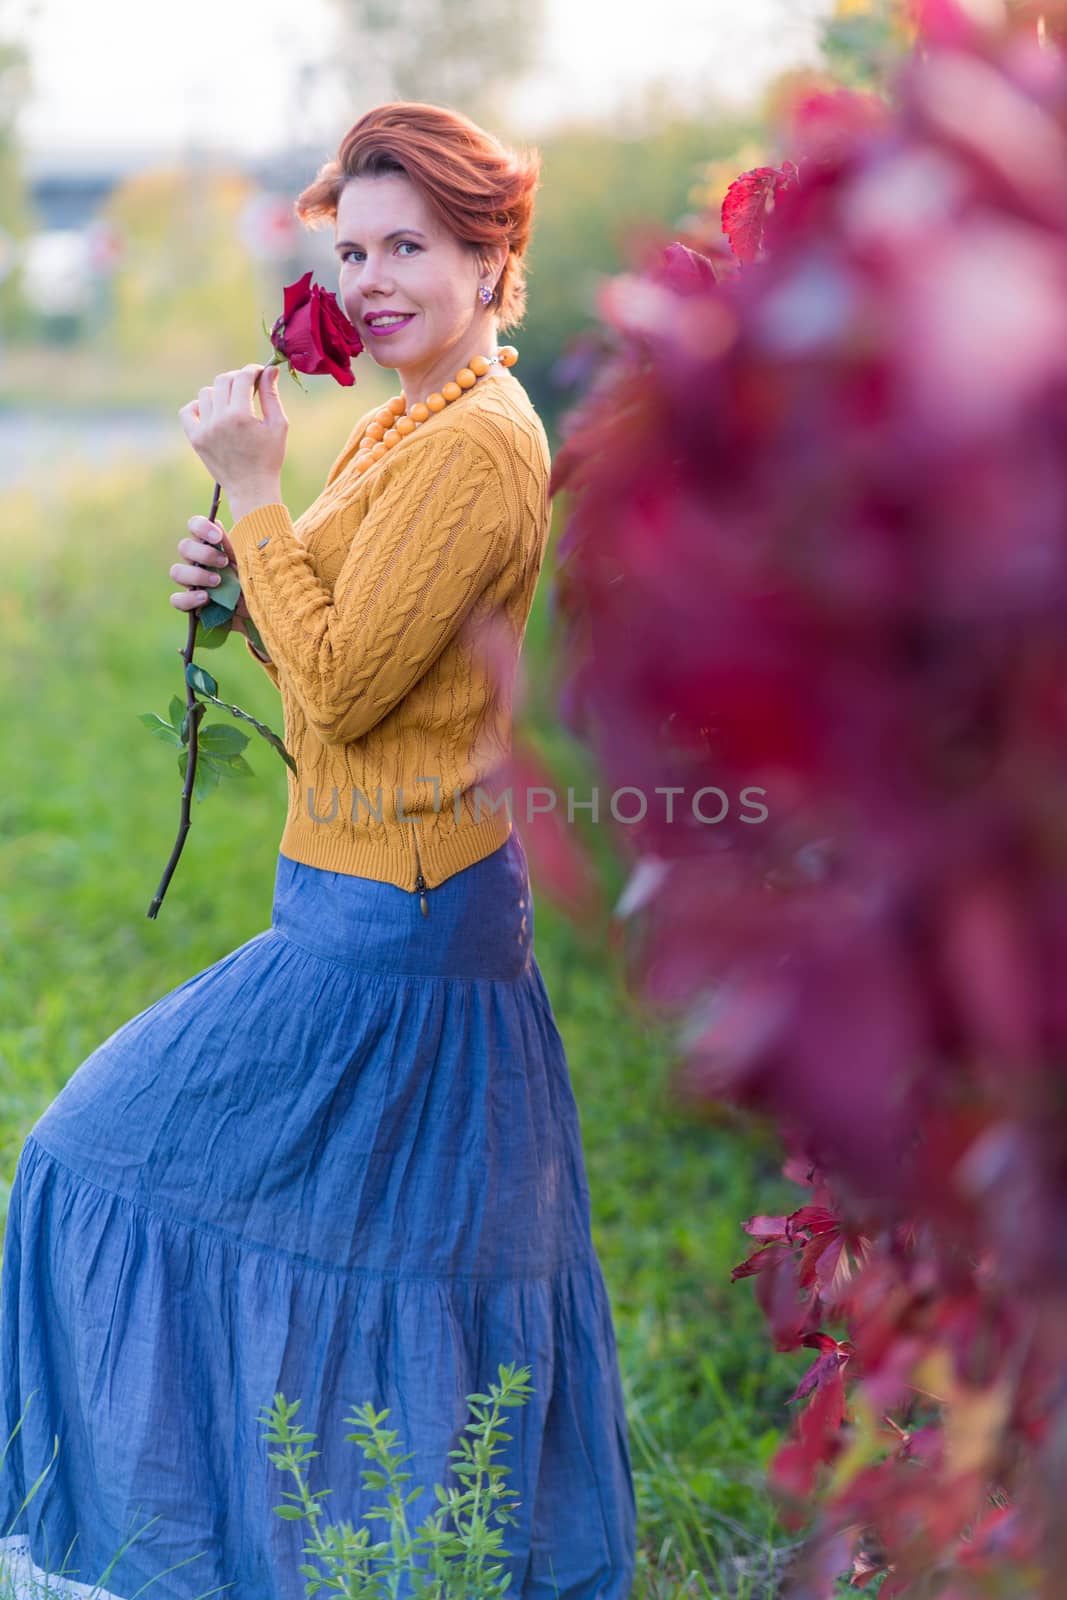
x=374 y=278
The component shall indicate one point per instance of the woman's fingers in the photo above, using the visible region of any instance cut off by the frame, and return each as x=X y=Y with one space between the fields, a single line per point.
x=198 y=570
x=188 y=599
x=198 y=577
x=213 y=532
x=206 y=554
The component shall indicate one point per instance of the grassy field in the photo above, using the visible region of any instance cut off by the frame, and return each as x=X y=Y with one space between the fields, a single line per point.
x=87 y=820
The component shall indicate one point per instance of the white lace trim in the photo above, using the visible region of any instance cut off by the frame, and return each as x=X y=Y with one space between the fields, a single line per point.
x=22 y=1579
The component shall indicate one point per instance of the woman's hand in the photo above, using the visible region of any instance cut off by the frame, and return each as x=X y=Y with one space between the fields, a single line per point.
x=203 y=556
x=242 y=452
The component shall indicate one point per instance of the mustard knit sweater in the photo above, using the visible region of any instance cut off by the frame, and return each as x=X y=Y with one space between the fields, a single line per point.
x=394 y=611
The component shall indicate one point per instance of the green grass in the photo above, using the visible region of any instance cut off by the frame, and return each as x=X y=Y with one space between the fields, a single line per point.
x=87 y=820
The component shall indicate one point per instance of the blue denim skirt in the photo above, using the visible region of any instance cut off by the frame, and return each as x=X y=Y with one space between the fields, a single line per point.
x=341 y=1164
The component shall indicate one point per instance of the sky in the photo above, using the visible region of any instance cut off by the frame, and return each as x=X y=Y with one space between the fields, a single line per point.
x=125 y=74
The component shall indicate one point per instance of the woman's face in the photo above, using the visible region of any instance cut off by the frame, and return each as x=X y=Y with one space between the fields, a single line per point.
x=395 y=256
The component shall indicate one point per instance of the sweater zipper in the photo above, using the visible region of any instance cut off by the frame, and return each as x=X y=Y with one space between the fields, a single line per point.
x=420 y=882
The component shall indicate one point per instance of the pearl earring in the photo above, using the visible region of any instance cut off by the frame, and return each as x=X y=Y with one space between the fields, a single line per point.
x=485 y=295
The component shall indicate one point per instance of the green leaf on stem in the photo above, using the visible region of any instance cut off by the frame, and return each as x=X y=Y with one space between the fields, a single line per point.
x=214 y=637
x=215 y=767
x=226 y=592
x=158 y=728
x=201 y=681
x=255 y=636
x=260 y=727
x=207 y=774
x=235 y=766
x=222 y=740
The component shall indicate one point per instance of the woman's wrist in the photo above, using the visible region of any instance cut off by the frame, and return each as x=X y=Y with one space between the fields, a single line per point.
x=250 y=497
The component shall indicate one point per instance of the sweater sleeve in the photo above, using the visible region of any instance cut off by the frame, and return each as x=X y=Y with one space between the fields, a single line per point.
x=417 y=562
x=339 y=461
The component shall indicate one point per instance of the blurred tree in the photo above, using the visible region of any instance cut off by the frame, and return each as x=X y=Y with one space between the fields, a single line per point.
x=864 y=40
x=601 y=197
x=17 y=217
x=461 y=53
x=185 y=289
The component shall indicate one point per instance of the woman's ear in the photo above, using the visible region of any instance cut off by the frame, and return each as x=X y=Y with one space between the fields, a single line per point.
x=491 y=263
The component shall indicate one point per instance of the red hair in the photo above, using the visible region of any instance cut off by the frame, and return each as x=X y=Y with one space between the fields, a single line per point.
x=479 y=190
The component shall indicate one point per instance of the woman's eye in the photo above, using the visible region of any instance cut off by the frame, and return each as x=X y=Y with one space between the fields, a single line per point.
x=402 y=242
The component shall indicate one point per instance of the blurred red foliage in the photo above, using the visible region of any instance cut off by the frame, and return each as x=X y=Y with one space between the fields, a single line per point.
x=816 y=551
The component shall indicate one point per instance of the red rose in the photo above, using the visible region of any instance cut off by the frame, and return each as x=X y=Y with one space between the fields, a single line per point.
x=313 y=333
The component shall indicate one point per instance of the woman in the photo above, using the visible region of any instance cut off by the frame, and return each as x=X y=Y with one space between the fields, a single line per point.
x=344 y=1162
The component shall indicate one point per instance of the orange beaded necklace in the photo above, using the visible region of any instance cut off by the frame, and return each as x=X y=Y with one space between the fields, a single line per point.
x=392 y=424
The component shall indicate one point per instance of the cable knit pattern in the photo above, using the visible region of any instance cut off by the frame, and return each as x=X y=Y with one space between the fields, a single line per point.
x=394 y=611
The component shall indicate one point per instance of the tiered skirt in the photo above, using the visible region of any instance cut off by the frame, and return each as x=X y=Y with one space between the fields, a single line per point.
x=341 y=1164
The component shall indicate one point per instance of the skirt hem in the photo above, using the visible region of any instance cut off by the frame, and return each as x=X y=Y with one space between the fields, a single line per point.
x=22 y=1579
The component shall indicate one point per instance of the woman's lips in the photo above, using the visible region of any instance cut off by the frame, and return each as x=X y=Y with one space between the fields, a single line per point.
x=390 y=327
